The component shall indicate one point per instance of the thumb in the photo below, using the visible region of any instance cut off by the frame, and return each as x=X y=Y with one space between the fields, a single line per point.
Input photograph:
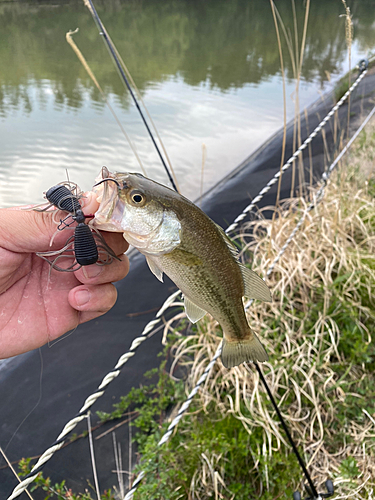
x=29 y=231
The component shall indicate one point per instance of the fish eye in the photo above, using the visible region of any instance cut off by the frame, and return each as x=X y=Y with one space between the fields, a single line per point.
x=137 y=198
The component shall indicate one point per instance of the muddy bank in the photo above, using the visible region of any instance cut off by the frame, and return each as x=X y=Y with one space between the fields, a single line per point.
x=74 y=367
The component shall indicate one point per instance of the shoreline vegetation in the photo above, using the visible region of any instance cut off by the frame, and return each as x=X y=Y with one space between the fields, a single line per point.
x=135 y=26
x=318 y=332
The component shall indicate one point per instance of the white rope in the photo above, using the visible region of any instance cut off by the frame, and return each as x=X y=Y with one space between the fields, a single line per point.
x=317 y=199
x=178 y=417
x=91 y=399
x=143 y=336
x=286 y=165
x=320 y=193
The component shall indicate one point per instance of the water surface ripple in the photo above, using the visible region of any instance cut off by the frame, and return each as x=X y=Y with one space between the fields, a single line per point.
x=208 y=71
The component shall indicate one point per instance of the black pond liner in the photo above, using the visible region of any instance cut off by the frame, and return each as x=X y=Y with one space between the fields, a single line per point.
x=74 y=367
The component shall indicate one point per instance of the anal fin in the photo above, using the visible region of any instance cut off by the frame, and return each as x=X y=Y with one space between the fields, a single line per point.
x=255 y=287
x=193 y=312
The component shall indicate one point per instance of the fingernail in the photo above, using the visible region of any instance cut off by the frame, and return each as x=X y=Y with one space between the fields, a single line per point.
x=91 y=271
x=82 y=297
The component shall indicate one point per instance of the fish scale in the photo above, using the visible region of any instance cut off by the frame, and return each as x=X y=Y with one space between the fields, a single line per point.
x=180 y=240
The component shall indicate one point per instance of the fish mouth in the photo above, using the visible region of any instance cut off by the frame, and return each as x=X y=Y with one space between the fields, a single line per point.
x=109 y=214
x=146 y=224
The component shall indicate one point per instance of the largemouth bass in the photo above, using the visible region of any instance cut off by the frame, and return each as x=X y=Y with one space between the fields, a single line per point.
x=180 y=240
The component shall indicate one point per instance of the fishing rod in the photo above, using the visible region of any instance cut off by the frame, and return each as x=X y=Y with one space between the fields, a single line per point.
x=310 y=488
x=112 y=51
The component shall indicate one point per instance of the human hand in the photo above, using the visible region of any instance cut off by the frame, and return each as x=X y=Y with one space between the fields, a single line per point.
x=39 y=304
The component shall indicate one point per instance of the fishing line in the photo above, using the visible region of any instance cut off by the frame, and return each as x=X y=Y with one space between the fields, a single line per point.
x=363 y=67
x=89 y=4
x=36 y=404
x=128 y=74
x=90 y=400
x=84 y=63
x=66 y=335
x=9 y=464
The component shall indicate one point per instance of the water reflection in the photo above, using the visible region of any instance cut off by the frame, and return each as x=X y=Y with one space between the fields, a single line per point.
x=204 y=66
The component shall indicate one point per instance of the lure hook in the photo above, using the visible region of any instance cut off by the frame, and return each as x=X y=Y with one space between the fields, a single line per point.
x=106 y=180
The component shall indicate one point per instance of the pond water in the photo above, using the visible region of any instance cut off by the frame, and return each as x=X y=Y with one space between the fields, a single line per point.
x=209 y=72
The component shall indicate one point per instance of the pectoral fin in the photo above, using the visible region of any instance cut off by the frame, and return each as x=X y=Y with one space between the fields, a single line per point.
x=154 y=269
x=193 y=312
x=255 y=287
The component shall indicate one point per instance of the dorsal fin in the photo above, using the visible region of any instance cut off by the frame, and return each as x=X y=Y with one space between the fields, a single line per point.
x=255 y=287
x=232 y=247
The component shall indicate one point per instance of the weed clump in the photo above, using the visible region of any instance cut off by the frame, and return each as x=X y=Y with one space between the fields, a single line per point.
x=319 y=333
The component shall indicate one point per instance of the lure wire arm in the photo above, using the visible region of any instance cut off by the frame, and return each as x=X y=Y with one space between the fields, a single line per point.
x=105 y=253
x=86 y=246
x=63 y=225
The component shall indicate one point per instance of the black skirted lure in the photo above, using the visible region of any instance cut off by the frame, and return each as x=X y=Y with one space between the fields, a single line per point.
x=86 y=243
x=85 y=249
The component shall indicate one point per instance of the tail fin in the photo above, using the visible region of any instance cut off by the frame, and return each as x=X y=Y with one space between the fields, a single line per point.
x=236 y=352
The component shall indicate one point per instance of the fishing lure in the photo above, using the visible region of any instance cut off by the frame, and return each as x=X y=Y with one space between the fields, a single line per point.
x=86 y=246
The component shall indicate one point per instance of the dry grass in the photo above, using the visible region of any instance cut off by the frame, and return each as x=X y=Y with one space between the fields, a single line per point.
x=318 y=331
x=296 y=51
